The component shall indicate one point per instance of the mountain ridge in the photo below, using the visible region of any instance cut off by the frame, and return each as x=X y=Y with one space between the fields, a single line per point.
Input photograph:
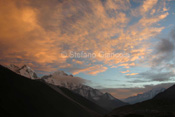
x=144 y=96
x=75 y=84
x=105 y=100
x=162 y=105
x=23 y=70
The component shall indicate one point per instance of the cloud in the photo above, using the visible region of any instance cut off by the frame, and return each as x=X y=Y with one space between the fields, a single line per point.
x=173 y=34
x=37 y=32
x=149 y=21
x=132 y=74
x=160 y=76
x=164 y=52
x=127 y=65
x=23 y=40
x=148 y=4
x=161 y=61
x=153 y=75
x=77 y=61
x=125 y=71
x=149 y=7
x=165 y=46
x=91 y=70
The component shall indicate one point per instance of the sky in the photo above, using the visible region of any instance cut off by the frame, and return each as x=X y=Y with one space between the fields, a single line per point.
x=124 y=47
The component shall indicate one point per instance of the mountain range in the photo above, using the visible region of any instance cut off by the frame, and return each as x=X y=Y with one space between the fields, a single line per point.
x=162 y=105
x=21 y=96
x=25 y=94
x=144 y=96
x=23 y=70
x=104 y=100
x=62 y=79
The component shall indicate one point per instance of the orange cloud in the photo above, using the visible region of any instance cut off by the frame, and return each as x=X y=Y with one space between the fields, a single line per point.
x=37 y=32
x=127 y=65
x=148 y=4
x=91 y=70
x=149 y=21
x=132 y=74
x=77 y=61
x=125 y=71
x=145 y=8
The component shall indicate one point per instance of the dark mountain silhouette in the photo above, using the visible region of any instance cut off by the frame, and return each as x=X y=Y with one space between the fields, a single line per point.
x=21 y=96
x=162 y=105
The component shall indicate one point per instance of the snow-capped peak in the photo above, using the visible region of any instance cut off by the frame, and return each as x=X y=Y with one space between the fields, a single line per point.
x=59 y=73
x=14 y=68
x=75 y=84
x=60 y=78
x=24 y=71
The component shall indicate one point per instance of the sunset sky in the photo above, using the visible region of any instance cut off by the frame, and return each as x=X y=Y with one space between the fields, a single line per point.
x=123 y=47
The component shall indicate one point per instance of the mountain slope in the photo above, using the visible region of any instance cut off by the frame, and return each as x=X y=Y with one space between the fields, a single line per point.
x=105 y=100
x=162 y=105
x=83 y=101
x=144 y=96
x=31 y=98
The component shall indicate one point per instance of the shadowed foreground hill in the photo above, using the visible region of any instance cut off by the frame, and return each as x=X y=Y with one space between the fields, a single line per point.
x=162 y=105
x=31 y=98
